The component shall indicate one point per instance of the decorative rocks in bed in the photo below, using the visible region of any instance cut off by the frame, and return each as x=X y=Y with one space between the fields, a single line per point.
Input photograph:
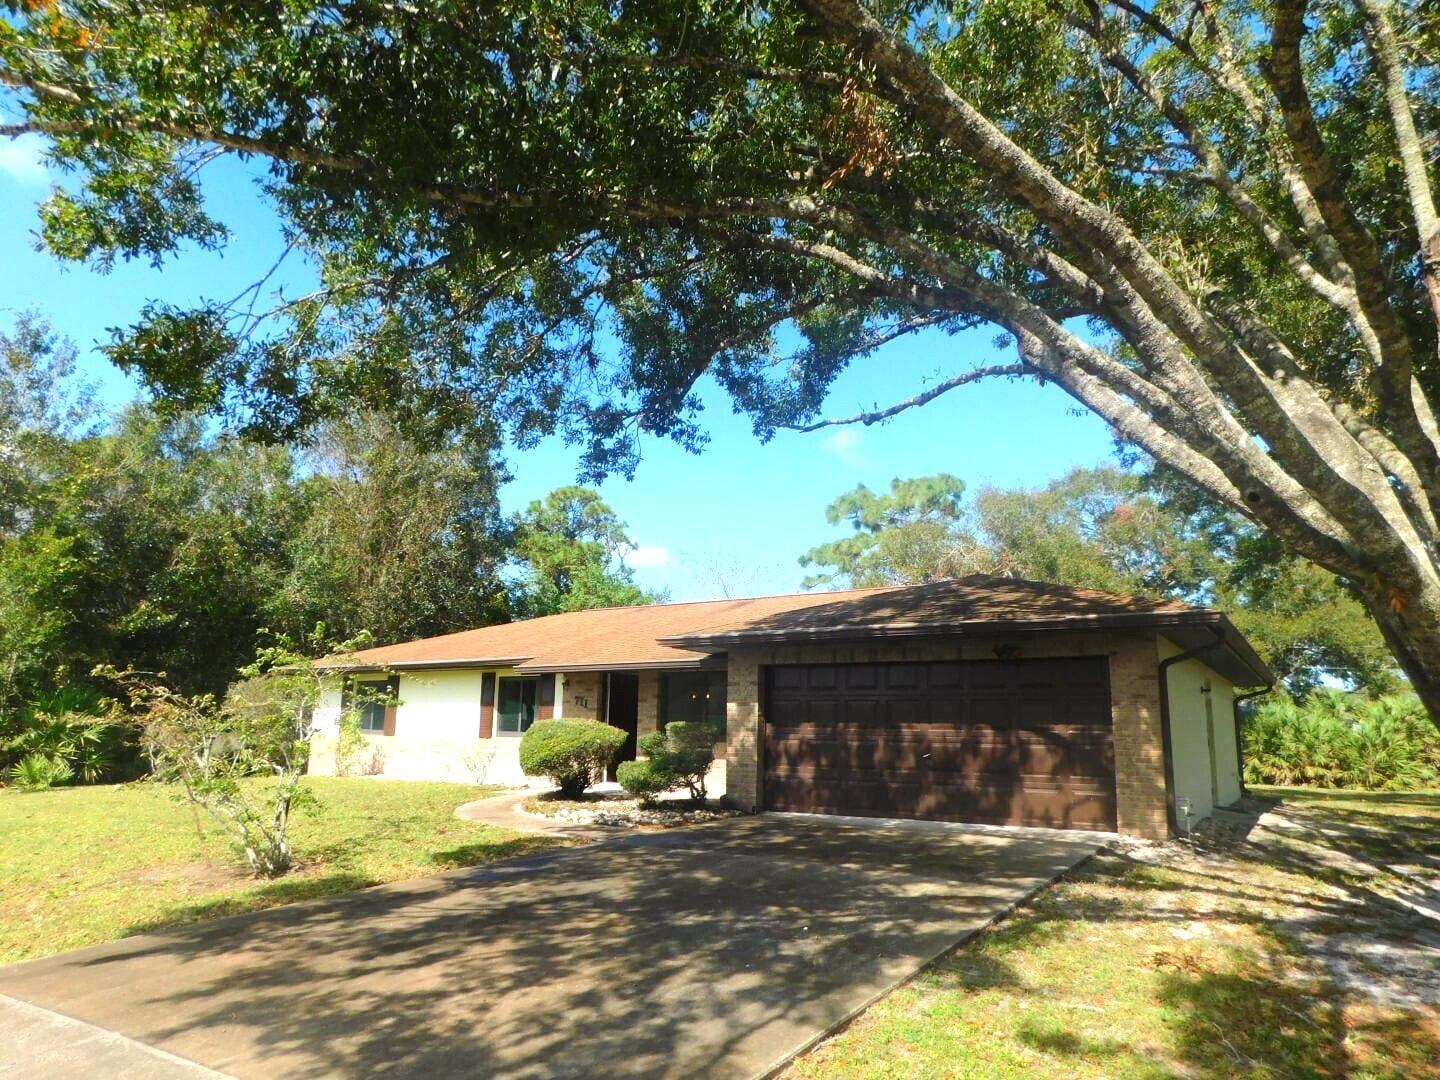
x=615 y=810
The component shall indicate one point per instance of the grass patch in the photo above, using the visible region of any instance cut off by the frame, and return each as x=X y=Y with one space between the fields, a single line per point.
x=85 y=865
x=1190 y=967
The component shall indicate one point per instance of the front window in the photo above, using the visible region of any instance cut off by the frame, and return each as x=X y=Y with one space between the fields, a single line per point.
x=695 y=696
x=516 y=705
x=371 y=699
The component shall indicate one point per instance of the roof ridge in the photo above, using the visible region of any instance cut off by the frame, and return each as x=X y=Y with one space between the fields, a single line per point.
x=731 y=599
x=1038 y=583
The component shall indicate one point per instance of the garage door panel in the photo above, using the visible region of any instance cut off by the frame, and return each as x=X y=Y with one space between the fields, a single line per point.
x=984 y=798
x=1018 y=742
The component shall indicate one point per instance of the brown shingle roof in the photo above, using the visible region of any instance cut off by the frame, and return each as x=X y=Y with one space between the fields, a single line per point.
x=685 y=634
x=615 y=637
x=944 y=606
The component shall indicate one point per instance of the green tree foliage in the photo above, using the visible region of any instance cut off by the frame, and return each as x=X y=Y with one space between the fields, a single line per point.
x=905 y=535
x=398 y=540
x=569 y=548
x=1215 y=227
x=148 y=540
x=1121 y=532
x=1096 y=528
x=242 y=758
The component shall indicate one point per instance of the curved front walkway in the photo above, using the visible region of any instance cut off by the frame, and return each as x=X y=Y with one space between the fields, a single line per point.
x=503 y=811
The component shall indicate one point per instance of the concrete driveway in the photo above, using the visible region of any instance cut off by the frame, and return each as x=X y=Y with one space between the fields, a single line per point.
x=714 y=951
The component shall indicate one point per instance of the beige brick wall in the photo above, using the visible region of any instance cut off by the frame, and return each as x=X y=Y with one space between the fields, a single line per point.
x=647 y=716
x=742 y=730
x=1134 y=690
x=583 y=695
x=1140 y=801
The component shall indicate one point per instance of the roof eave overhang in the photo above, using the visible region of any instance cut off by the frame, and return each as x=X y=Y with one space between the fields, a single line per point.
x=415 y=665
x=1237 y=659
x=619 y=665
x=525 y=664
x=1246 y=668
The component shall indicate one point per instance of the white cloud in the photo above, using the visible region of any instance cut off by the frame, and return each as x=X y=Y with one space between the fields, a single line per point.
x=649 y=555
x=23 y=161
x=845 y=445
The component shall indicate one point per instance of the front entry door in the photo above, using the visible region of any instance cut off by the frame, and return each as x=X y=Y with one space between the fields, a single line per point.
x=622 y=708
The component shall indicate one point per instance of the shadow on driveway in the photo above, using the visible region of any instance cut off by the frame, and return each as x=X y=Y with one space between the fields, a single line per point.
x=711 y=951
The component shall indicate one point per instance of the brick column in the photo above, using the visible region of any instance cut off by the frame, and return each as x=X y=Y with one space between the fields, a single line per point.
x=742 y=732
x=647 y=711
x=1141 y=804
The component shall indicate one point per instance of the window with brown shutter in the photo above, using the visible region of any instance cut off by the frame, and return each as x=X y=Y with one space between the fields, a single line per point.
x=487 y=704
x=517 y=698
x=374 y=701
x=392 y=704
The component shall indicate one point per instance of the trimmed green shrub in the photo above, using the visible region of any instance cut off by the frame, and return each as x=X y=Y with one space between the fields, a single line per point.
x=1334 y=739
x=645 y=779
x=680 y=755
x=572 y=753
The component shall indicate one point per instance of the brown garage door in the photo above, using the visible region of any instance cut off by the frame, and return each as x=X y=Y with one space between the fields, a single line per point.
x=1008 y=742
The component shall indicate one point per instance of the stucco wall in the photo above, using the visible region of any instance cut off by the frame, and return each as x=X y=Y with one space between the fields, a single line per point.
x=1134 y=698
x=437 y=730
x=1193 y=722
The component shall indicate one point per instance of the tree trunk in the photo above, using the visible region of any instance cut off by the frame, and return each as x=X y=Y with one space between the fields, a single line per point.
x=1413 y=635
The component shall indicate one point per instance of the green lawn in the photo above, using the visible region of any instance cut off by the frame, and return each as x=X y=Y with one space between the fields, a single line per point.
x=1190 y=968
x=83 y=865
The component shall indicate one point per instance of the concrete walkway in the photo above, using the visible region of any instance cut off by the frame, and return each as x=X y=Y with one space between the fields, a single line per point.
x=503 y=811
x=713 y=951
x=38 y=1042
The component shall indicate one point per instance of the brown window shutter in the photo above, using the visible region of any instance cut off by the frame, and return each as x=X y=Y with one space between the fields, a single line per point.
x=545 y=706
x=487 y=704
x=391 y=708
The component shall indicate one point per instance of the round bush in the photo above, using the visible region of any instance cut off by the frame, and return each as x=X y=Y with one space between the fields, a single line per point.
x=645 y=779
x=572 y=753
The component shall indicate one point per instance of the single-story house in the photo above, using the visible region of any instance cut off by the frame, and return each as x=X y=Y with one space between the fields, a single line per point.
x=980 y=699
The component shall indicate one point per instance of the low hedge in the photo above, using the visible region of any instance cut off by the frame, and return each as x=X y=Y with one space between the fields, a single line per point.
x=572 y=753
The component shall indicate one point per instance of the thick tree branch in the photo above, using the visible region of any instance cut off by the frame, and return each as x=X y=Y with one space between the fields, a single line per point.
x=1138 y=408
x=1386 y=50
x=1200 y=144
x=943 y=387
x=1285 y=73
x=1290 y=425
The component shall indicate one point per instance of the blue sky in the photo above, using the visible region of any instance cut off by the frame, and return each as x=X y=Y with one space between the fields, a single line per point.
x=733 y=519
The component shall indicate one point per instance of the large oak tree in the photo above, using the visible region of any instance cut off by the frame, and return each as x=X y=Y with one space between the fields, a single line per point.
x=1212 y=222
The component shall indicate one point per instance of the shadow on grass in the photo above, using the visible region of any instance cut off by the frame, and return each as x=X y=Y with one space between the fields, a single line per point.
x=1253 y=1023
x=288 y=890
x=1220 y=1010
x=1294 y=795
x=1052 y=1037
x=301 y=885
x=483 y=852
